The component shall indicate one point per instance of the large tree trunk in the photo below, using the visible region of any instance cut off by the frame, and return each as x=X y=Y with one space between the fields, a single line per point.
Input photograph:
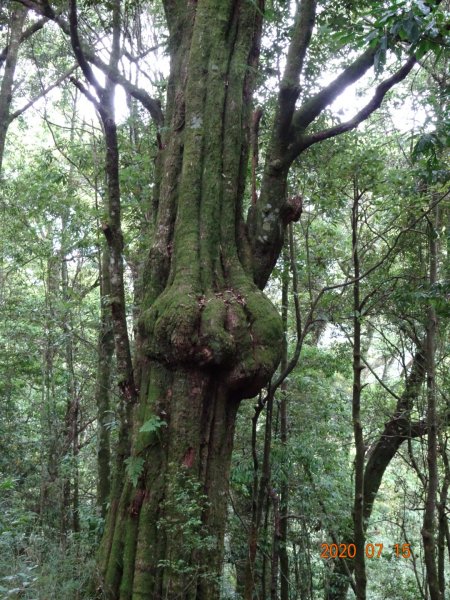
x=208 y=336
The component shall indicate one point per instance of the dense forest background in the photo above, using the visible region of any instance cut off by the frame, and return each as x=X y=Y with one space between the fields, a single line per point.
x=340 y=473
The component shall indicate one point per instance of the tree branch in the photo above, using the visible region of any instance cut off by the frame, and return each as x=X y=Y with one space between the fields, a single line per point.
x=380 y=92
x=78 y=51
x=265 y=224
x=312 y=108
x=43 y=93
x=31 y=30
x=85 y=92
x=152 y=105
x=289 y=86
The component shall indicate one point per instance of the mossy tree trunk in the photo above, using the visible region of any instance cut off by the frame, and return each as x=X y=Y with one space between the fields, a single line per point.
x=208 y=336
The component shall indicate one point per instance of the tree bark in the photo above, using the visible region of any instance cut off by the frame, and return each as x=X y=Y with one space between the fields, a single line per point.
x=208 y=336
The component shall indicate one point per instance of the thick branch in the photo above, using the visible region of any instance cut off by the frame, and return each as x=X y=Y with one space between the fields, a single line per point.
x=265 y=223
x=289 y=87
x=396 y=430
x=6 y=87
x=77 y=49
x=380 y=92
x=312 y=108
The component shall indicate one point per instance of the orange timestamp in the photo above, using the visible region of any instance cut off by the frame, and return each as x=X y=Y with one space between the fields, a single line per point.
x=330 y=551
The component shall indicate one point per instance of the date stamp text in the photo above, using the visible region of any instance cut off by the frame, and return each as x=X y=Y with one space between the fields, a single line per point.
x=331 y=551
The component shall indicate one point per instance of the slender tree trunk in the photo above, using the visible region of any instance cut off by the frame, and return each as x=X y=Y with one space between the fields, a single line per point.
x=70 y=502
x=114 y=237
x=70 y=484
x=442 y=517
x=398 y=429
x=429 y=526
x=259 y=492
x=265 y=562
x=284 y=487
x=75 y=470
x=358 y=508
x=274 y=565
x=50 y=504
x=105 y=351
x=103 y=385
x=18 y=16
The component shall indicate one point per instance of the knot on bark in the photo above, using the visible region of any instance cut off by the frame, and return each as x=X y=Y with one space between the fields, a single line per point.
x=292 y=209
x=236 y=333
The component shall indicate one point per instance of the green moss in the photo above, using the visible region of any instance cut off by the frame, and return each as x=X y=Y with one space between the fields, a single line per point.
x=114 y=566
x=126 y=585
x=237 y=329
x=213 y=334
x=151 y=406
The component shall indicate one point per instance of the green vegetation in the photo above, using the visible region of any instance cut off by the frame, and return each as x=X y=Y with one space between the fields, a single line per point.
x=224 y=300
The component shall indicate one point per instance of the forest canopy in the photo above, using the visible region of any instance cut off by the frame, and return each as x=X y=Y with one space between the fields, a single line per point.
x=224 y=299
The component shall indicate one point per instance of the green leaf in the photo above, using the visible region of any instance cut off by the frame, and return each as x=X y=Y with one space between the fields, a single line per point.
x=135 y=466
x=153 y=424
x=412 y=29
x=7 y=484
x=380 y=56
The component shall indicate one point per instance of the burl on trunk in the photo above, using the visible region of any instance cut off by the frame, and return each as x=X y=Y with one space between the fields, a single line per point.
x=208 y=337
